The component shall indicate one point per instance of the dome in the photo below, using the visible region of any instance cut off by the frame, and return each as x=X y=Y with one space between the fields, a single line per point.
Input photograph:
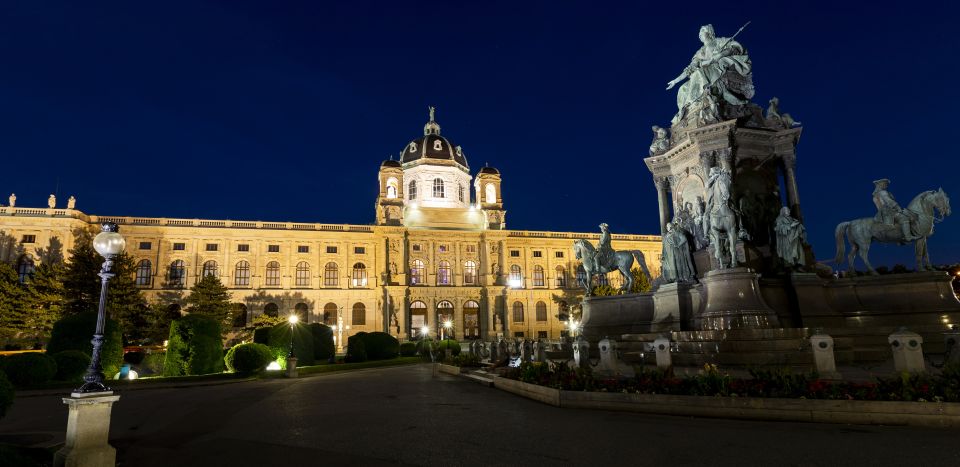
x=390 y=163
x=432 y=146
x=489 y=170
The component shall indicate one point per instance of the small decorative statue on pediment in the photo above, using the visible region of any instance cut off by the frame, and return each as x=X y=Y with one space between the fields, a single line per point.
x=661 y=141
x=52 y=202
x=72 y=203
x=779 y=120
x=676 y=262
x=791 y=236
x=12 y=199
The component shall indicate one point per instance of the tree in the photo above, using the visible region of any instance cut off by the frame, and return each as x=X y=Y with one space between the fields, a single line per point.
x=125 y=302
x=44 y=295
x=209 y=297
x=13 y=302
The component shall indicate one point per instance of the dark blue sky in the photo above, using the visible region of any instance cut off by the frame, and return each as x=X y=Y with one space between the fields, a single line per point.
x=283 y=110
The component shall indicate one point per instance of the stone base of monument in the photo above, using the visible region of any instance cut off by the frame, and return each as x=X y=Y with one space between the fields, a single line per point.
x=674 y=307
x=732 y=300
x=616 y=315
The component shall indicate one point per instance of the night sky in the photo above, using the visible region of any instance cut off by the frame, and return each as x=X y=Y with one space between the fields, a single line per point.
x=283 y=111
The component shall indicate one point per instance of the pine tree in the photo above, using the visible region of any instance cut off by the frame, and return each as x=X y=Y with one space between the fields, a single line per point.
x=13 y=302
x=81 y=283
x=209 y=297
x=45 y=296
x=125 y=302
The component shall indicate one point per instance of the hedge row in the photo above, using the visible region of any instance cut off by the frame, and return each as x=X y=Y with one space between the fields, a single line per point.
x=74 y=332
x=364 y=346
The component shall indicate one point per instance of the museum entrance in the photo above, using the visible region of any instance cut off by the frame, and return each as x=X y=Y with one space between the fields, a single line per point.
x=471 y=320
x=418 y=319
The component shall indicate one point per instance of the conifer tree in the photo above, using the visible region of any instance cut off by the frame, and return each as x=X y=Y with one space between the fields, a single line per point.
x=45 y=296
x=209 y=297
x=13 y=302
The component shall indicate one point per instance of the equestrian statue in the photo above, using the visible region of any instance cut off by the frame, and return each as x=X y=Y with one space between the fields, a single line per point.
x=604 y=259
x=721 y=218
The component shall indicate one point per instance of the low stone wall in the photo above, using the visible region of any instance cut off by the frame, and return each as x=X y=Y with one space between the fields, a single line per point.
x=929 y=414
x=451 y=369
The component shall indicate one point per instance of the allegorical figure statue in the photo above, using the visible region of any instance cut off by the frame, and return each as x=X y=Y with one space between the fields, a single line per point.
x=52 y=202
x=661 y=141
x=72 y=203
x=889 y=211
x=676 y=262
x=777 y=119
x=721 y=67
x=790 y=238
x=12 y=199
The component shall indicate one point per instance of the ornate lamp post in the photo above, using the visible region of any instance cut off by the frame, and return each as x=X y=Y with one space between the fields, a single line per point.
x=292 y=359
x=109 y=243
x=447 y=327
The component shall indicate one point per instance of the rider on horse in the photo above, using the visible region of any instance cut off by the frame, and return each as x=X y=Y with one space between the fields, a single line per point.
x=889 y=212
x=604 y=254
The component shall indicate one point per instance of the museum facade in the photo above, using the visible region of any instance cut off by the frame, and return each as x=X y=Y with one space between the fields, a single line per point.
x=439 y=252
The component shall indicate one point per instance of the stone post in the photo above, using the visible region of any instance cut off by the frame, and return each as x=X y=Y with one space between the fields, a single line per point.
x=907 y=351
x=292 y=367
x=951 y=339
x=663 y=198
x=661 y=346
x=608 y=357
x=88 y=429
x=581 y=352
x=823 y=357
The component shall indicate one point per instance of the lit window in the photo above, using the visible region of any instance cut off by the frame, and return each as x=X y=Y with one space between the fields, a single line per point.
x=491 y=194
x=210 y=269
x=469 y=272
x=416 y=272
x=438 y=188
x=515 y=274
x=581 y=275
x=541 y=312
x=241 y=274
x=538 y=276
x=359 y=275
x=330 y=275
x=412 y=190
x=443 y=273
x=460 y=192
x=517 y=312
x=143 y=273
x=359 y=314
x=303 y=274
x=471 y=248
x=177 y=273
x=561 y=277
x=392 y=186
x=444 y=313
x=272 y=279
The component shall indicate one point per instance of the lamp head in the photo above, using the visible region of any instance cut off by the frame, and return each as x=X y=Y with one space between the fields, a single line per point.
x=293 y=319
x=448 y=324
x=425 y=330
x=109 y=242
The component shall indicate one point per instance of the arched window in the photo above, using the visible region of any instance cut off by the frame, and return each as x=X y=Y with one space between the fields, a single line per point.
x=443 y=273
x=541 y=312
x=330 y=275
x=25 y=268
x=359 y=275
x=412 y=190
x=271 y=310
x=143 y=272
x=561 y=277
x=330 y=314
x=272 y=279
x=517 y=312
x=416 y=272
x=210 y=269
x=359 y=314
x=469 y=273
x=471 y=319
x=516 y=276
x=241 y=274
x=460 y=191
x=581 y=275
x=176 y=275
x=438 y=188
x=491 y=194
x=303 y=274
x=444 y=314
x=418 y=318
x=238 y=311
x=302 y=312
x=392 y=188
x=538 y=276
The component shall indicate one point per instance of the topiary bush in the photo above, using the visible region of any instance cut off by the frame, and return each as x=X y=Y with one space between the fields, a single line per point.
x=262 y=335
x=356 y=348
x=74 y=332
x=408 y=349
x=152 y=363
x=302 y=344
x=380 y=346
x=451 y=344
x=323 y=346
x=29 y=369
x=194 y=346
x=6 y=394
x=425 y=348
x=248 y=358
x=71 y=365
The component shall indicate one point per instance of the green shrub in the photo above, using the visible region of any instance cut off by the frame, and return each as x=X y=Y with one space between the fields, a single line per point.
x=302 y=344
x=356 y=348
x=408 y=349
x=152 y=363
x=133 y=357
x=71 y=365
x=425 y=347
x=380 y=346
x=194 y=346
x=74 y=332
x=468 y=360
x=248 y=358
x=6 y=394
x=451 y=344
x=29 y=369
x=323 y=346
x=262 y=335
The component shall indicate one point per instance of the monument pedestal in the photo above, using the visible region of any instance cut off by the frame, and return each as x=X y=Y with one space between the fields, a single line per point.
x=673 y=307
x=733 y=301
x=88 y=428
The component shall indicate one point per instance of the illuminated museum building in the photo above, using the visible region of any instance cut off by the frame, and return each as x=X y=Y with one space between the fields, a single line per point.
x=439 y=251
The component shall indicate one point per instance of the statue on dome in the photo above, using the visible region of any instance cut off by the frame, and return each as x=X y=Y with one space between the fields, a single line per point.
x=604 y=259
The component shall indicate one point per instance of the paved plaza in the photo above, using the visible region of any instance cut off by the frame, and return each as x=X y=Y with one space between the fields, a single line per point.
x=403 y=415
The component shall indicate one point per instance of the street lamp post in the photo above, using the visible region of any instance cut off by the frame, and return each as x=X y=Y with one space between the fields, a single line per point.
x=291 y=358
x=109 y=243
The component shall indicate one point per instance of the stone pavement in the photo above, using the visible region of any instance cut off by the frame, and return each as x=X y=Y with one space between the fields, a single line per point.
x=403 y=415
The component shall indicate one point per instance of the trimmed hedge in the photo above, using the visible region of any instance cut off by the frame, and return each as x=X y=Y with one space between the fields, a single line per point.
x=408 y=349
x=29 y=369
x=381 y=346
x=6 y=394
x=323 y=346
x=248 y=358
x=424 y=347
x=71 y=365
x=74 y=332
x=451 y=344
x=262 y=335
x=356 y=348
x=302 y=344
x=152 y=363
x=194 y=346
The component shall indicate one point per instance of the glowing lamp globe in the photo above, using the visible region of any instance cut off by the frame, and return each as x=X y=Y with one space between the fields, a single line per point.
x=109 y=242
x=425 y=330
x=448 y=324
x=293 y=319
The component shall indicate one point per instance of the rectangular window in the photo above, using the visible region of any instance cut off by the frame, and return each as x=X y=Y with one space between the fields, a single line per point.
x=29 y=239
x=541 y=334
x=273 y=248
x=558 y=254
x=303 y=249
x=416 y=247
x=179 y=246
x=443 y=248
x=359 y=250
x=243 y=247
x=145 y=245
x=331 y=249
x=514 y=253
x=471 y=248
x=212 y=247
x=538 y=254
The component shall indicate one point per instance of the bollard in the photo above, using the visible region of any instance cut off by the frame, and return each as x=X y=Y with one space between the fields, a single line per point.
x=88 y=427
x=292 y=367
x=608 y=357
x=907 y=351
x=823 y=357
x=661 y=345
x=581 y=352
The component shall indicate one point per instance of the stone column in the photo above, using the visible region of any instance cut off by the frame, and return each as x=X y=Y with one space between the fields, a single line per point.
x=790 y=181
x=663 y=198
x=88 y=428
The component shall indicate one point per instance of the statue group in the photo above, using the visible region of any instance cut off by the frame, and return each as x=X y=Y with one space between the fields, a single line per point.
x=604 y=259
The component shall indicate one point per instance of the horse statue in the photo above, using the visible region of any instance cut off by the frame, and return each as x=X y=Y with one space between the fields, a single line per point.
x=720 y=218
x=620 y=261
x=861 y=232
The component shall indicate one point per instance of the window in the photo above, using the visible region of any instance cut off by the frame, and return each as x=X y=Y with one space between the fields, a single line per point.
x=145 y=245
x=469 y=273
x=272 y=279
x=241 y=274
x=541 y=334
x=541 y=309
x=561 y=277
x=437 y=145
x=442 y=248
x=392 y=188
x=303 y=274
x=471 y=248
x=243 y=247
x=25 y=269
x=413 y=147
x=359 y=314
x=460 y=192
x=514 y=253
x=179 y=246
x=517 y=312
x=491 y=194
x=538 y=254
x=558 y=254
x=581 y=275
x=30 y=239
x=212 y=247
x=438 y=188
x=330 y=275
x=273 y=248
x=177 y=273
x=516 y=275
x=471 y=319
x=330 y=314
x=443 y=273
x=210 y=269
x=444 y=313
x=331 y=250
x=143 y=273
x=416 y=247
x=418 y=318
x=412 y=190
x=538 y=276
x=271 y=310
x=416 y=272
x=359 y=250
x=303 y=249
x=301 y=310
x=359 y=275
